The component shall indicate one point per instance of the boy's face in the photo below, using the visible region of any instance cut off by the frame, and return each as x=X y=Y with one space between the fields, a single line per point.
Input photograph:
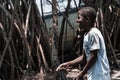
x=83 y=22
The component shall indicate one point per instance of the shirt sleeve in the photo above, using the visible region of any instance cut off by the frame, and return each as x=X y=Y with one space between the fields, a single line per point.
x=94 y=42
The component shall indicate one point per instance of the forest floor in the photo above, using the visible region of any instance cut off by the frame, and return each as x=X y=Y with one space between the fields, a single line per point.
x=71 y=75
x=115 y=74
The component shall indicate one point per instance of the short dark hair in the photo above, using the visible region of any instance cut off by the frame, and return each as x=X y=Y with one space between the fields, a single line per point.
x=89 y=12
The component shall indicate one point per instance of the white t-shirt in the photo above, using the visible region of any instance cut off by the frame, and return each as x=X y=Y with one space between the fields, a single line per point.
x=100 y=70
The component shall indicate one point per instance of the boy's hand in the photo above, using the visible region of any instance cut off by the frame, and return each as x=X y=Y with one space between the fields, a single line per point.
x=62 y=66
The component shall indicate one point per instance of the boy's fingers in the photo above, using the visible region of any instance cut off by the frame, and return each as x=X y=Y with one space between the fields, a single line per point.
x=58 y=68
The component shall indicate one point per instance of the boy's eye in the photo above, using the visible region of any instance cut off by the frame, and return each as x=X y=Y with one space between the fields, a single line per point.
x=78 y=17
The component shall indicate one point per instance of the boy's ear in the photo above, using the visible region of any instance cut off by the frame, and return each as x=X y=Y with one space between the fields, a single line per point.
x=87 y=19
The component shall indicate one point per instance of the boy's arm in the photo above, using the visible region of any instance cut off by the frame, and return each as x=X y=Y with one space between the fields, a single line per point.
x=75 y=61
x=89 y=63
x=78 y=59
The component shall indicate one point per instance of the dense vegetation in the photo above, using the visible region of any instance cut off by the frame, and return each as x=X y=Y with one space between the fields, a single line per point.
x=27 y=48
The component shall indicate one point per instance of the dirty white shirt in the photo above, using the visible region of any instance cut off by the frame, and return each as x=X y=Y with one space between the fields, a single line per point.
x=100 y=70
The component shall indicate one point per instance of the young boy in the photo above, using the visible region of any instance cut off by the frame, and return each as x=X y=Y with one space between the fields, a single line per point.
x=97 y=66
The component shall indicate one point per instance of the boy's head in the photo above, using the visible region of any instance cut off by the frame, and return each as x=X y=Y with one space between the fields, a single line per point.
x=86 y=17
x=88 y=12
